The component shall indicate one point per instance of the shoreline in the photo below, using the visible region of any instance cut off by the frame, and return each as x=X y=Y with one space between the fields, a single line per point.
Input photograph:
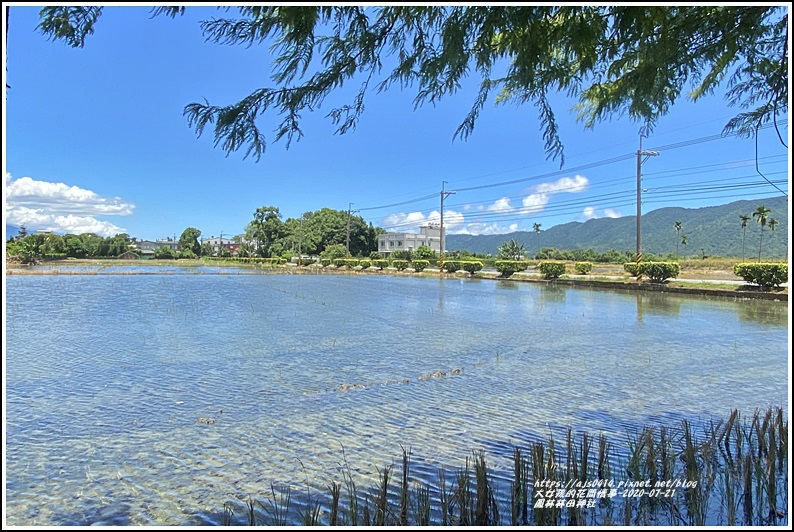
x=738 y=291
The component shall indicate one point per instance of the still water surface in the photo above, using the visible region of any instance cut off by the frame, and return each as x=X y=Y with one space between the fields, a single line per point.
x=111 y=381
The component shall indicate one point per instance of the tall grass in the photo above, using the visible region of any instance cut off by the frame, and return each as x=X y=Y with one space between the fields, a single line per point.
x=730 y=472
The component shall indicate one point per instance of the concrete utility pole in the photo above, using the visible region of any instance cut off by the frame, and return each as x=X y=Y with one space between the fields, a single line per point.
x=444 y=194
x=640 y=154
x=349 y=212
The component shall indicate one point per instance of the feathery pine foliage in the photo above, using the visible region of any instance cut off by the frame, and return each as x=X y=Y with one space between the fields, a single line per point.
x=634 y=60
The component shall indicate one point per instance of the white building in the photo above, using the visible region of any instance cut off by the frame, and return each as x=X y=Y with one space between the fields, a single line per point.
x=218 y=242
x=429 y=235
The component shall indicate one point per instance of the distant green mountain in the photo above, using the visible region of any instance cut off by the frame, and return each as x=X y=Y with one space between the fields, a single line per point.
x=715 y=230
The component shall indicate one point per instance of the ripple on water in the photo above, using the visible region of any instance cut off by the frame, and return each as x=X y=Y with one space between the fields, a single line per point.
x=108 y=379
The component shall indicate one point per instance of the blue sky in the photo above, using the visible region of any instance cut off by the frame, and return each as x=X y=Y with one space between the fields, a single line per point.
x=95 y=141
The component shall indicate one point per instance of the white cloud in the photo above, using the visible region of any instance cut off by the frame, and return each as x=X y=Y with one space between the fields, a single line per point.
x=501 y=205
x=590 y=212
x=58 y=207
x=482 y=228
x=400 y=222
x=534 y=203
x=574 y=185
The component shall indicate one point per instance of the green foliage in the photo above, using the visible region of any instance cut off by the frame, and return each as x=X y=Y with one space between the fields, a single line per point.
x=186 y=254
x=764 y=274
x=346 y=263
x=364 y=263
x=659 y=272
x=506 y=268
x=316 y=231
x=325 y=261
x=164 y=252
x=335 y=251
x=420 y=265
x=424 y=252
x=401 y=254
x=551 y=269
x=400 y=264
x=380 y=263
x=471 y=266
x=265 y=231
x=511 y=250
x=630 y=60
x=189 y=241
x=583 y=268
x=631 y=268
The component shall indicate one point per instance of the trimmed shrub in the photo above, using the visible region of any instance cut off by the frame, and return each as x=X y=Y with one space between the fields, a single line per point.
x=380 y=263
x=325 y=262
x=631 y=268
x=583 y=268
x=551 y=269
x=659 y=272
x=764 y=274
x=450 y=266
x=400 y=264
x=365 y=263
x=420 y=265
x=471 y=266
x=506 y=268
x=347 y=263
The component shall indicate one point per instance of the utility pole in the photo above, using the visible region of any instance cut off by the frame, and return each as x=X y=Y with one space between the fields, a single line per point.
x=300 y=241
x=640 y=154
x=349 y=212
x=444 y=194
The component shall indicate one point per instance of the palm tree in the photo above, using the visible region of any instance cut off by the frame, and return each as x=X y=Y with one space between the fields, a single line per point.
x=772 y=223
x=677 y=227
x=536 y=228
x=744 y=218
x=684 y=240
x=761 y=214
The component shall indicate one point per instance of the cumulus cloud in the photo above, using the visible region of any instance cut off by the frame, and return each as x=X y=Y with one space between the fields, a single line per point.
x=481 y=228
x=501 y=205
x=61 y=208
x=590 y=212
x=542 y=193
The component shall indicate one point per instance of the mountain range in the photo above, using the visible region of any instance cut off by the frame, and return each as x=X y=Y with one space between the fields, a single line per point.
x=711 y=231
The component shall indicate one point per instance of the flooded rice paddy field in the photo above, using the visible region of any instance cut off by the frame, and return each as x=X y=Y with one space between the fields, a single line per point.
x=154 y=399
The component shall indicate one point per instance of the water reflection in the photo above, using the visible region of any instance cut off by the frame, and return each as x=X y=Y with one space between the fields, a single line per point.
x=134 y=362
x=552 y=292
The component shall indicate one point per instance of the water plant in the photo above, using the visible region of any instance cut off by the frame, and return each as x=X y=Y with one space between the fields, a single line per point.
x=731 y=472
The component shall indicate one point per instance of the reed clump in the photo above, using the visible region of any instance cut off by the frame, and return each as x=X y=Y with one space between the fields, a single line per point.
x=731 y=472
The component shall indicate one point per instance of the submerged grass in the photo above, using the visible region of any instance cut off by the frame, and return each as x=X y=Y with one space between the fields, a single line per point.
x=730 y=472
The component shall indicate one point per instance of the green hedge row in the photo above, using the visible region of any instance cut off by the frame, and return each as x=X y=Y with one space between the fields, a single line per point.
x=506 y=268
x=551 y=269
x=420 y=265
x=764 y=274
x=583 y=268
x=346 y=263
x=471 y=266
x=657 y=272
x=400 y=264
x=252 y=260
